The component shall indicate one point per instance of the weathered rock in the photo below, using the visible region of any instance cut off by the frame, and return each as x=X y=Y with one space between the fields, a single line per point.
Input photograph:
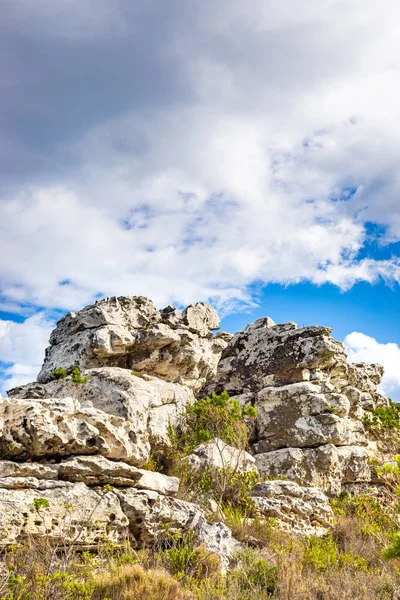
x=76 y=515
x=217 y=538
x=149 y=513
x=311 y=402
x=62 y=427
x=98 y=470
x=305 y=415
x=301 y=510
x=147 y=404
x=325 y=467
x=220 y=455
x=265 y=354
x=129 y=332
x=37 y=470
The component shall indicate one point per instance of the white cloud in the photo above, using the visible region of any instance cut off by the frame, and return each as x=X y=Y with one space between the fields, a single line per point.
x=363 y=348
x=22 y=348
x=231 y=173
x=232 y=182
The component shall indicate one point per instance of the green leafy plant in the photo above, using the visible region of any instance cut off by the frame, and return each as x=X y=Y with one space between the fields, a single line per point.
x=59 y=373
x=322 y=553
x=39 y=503
x=385 y=418
x=215 y=416
x=76 y=376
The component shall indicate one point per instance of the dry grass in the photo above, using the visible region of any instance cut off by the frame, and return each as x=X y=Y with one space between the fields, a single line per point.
x=346 y=565
x=133 y=582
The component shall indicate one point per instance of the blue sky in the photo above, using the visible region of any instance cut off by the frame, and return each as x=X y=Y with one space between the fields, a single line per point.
x=242 y=153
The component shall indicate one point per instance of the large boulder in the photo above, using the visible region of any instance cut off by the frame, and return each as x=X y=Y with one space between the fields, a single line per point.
x=267 y=354
x=55 y=427
x=218 y=454
x=129 y=332
x=150 y=514
x=305 y=414
x=144 y=406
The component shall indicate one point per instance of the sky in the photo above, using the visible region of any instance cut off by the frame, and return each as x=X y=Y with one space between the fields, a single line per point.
x=243 y=153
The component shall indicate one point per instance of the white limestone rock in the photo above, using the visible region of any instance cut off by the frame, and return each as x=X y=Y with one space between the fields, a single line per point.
x=219 y=454
x=148 y=512
x=266 y=354
x=145 y=405
x=55 y=427
x=297 y=509
x=129 y=332
x=38 y=470
x=217 y=538
x=326 y=467
x=76 y=515
x=305 y=415
x=98 y=470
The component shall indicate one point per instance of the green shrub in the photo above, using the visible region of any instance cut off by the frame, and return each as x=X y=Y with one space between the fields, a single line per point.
x=372 y=517
x=253 y=572
x=321 y=553
x=76 y=376
x=59 y=373
x=215 y=416
x=384 y=417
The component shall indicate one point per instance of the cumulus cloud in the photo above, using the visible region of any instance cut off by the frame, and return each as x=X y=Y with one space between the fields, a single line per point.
x=22 y=349
x=186 y=154
x=363 y=348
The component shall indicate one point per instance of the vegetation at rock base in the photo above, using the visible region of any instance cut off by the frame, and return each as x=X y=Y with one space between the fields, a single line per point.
x=213 y=418
x=347 y=564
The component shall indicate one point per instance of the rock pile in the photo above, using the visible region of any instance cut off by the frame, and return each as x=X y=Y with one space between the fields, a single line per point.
x=61 y=442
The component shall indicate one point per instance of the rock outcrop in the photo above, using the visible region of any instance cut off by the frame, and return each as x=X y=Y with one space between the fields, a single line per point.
x=311 y=402
x=113 y=403
x=73 y=455
x=129 y=332
x=217 y=454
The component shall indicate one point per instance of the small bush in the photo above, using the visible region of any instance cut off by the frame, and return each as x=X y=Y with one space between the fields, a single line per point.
x=59 y=373
x=384 y=418
x=215 y=416
x=76 y=376
x=321 y=553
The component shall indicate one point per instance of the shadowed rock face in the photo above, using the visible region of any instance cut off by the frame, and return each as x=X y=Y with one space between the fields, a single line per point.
x=130 y=333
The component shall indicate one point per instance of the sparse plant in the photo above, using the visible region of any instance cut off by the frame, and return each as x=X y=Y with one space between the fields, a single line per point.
x=59 y=373
x=76 y=376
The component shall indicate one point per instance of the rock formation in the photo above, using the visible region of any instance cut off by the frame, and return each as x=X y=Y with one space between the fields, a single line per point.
x=311 y=402
x=61 y=442
x=177 y=346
